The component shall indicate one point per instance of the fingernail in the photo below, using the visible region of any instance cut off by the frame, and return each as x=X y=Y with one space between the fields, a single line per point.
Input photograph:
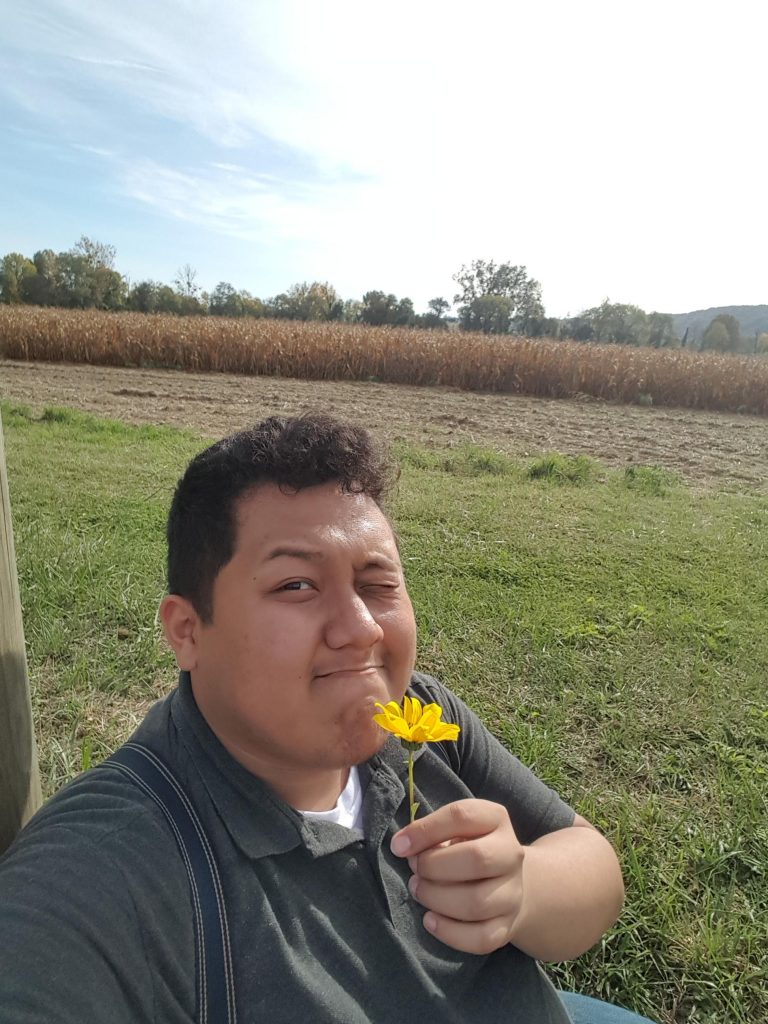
x=400 y=845
x=413 y=885
x=430 y=921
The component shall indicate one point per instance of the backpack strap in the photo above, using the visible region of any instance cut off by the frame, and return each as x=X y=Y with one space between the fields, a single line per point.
x=215 y=979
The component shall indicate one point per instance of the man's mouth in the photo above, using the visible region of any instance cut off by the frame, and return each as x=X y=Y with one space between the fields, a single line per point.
x=349 y=670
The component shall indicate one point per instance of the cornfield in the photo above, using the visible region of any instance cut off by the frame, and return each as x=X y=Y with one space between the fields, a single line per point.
x=331 y=351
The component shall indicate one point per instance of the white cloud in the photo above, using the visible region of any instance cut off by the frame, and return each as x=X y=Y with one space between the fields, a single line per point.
x=231 y=201
x=102 y=151
x=127 y=65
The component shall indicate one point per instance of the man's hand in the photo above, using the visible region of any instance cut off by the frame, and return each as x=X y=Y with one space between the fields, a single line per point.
x=467 y=871
x=483 y=889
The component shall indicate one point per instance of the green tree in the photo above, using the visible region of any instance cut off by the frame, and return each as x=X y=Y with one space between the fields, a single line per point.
x=84 y=286
x=86 y=277
x=226 y=301
x=543 y=327
x=74 y=283
x=143 y=297
x=168 y=300
x=316 y=301
x=434 y=318
x=403 y=313
x=279 y=306
x=96 y=254
x=485 y=280
x=103 y=286
x=616 y=323
x=193 y=305
x=15 y=269
x=252 y=306
x=351 y=311
x=577 y=328
x=43 y=288
x=491 y=314
x=190 y=299
x=379 y=308
x=661 y=331
x=722 y=335
x=438 y=307
x=716 y=338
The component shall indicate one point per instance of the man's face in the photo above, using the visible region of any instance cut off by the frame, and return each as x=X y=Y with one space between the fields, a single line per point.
x=311 y=626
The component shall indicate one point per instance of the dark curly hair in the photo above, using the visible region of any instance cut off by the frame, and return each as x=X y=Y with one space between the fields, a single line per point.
x=294 y=453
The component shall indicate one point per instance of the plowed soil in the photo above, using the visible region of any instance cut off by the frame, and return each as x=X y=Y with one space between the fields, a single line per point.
x=707 y=449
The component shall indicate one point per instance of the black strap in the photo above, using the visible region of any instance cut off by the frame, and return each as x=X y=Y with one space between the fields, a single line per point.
x=215 y=980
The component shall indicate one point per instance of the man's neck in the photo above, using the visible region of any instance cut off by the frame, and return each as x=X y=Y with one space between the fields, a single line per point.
x=304 y=789
x=315 y=791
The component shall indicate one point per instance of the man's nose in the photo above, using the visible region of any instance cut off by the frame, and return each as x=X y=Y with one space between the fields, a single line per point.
x=351 y=624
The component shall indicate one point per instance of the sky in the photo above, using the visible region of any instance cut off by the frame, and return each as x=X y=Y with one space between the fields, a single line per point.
x=615 y=149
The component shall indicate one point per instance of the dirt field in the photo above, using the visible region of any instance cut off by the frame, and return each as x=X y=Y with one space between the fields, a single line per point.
x=709 y=449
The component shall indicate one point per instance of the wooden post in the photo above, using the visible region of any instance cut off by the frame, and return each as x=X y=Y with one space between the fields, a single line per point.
x=19 y=777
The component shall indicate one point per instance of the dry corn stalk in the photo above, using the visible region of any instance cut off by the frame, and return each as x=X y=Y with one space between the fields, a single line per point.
x=332 y=351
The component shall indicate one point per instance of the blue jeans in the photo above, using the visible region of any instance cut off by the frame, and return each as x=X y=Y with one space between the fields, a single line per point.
x=584 y=1010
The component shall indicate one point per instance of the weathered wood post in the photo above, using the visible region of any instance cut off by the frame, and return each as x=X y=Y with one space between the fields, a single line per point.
x=19 y=778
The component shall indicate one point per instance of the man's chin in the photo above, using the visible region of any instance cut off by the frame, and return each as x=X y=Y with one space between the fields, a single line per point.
x=375 y=747
x=361 y=748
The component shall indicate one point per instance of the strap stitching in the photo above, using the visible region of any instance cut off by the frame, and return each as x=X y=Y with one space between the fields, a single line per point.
x=218 y=889
x=159 y=765
x=201 y=981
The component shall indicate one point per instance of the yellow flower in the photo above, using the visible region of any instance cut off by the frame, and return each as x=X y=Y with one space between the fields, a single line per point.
x=414 y=723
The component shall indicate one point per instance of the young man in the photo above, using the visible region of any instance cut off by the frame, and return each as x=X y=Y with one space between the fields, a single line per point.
x=290 y=620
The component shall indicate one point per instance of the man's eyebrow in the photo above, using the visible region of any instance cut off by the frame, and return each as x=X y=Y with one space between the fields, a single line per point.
x=286 y=551
x=380 y=562
x=312 y=555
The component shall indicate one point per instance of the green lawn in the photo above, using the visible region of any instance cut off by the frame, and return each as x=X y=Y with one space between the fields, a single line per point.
x=609 y=627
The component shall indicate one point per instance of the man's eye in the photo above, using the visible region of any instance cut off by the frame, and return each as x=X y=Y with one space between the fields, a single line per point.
x=296 y=585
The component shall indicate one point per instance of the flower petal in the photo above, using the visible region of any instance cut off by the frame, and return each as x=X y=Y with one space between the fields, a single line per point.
x=411 y=710
x=392 y=709
x=430 y=718
x=444 y=731
x=393 y=725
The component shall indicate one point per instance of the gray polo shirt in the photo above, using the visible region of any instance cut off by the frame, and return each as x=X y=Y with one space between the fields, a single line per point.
x=96 y=921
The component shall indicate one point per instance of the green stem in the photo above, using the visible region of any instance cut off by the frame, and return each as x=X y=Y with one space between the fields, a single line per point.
x=411 y=802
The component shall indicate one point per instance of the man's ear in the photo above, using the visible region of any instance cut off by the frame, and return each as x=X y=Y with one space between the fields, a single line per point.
x=181 y=625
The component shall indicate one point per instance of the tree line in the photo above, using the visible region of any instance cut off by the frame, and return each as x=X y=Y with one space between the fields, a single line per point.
x=494 y=298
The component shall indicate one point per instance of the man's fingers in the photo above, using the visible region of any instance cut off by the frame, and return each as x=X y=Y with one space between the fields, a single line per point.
x=470 y=859
x=471 y=902
x=475 y=937
x=467 y=867
x=463 y=819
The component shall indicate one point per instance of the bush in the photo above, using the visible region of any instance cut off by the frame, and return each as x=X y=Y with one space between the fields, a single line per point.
x=562 y=469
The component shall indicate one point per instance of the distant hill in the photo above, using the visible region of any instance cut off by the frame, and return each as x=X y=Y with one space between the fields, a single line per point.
x=751 y=319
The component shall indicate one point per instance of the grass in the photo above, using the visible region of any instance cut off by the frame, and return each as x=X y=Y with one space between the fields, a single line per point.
x=610 y=629
x=562 y=469
x=333 y=351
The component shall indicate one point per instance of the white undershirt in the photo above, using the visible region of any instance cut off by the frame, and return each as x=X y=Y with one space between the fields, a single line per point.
x=349 y=807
